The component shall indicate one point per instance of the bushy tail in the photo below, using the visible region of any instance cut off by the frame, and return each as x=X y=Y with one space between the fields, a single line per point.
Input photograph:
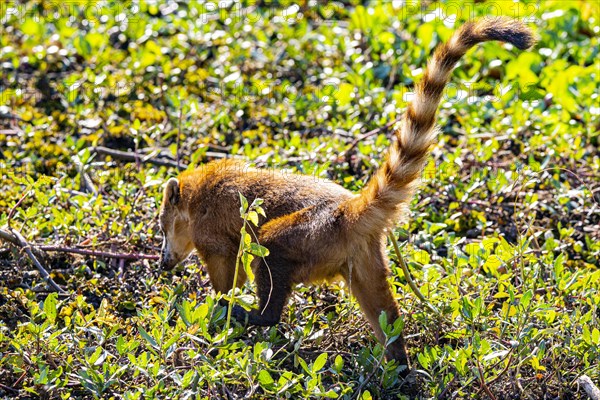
x=380 y=203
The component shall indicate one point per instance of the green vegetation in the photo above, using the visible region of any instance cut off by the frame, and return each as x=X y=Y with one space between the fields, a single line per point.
x=503 y=240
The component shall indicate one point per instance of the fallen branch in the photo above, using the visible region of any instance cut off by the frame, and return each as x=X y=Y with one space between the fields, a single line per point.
x=95 y=253
x=20 y=241
x=129 y=156
x=8 y=388
x=10 y=132
x=9 y=237
x=13 y=239
x=16 y=239
x=134 y=157
x=14 y=118
x=592 y=390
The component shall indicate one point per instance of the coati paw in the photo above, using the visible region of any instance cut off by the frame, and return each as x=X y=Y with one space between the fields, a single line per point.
x=240 y=315
x=405 y=371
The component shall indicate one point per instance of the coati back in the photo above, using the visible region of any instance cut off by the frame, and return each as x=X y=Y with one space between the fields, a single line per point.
x=317 y=230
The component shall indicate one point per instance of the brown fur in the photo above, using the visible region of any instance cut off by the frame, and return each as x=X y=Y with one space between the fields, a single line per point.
x=317 y=230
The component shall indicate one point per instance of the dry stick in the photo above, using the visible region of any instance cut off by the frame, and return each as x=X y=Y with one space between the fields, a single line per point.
x=369 y=377
x=95 y=253
x=371 y=133
x=8 y=388
x=10 y=132
x=86 y=184
x=160 y=161
x=508 y=364
x=485 y=388
x=121 y=269
x=9 y=237
x=27 y=247
x=132 y=157
x=442 y=395
x=592 y=390
x=14 y=118
x=408 y=277
x=14 y=209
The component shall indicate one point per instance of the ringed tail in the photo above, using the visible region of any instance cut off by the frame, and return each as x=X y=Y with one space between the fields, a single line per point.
x=390 y=190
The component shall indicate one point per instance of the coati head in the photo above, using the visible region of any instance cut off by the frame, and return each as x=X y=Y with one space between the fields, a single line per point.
x=174 y=224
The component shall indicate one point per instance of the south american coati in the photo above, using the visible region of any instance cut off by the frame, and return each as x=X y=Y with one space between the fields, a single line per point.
x=314 y=229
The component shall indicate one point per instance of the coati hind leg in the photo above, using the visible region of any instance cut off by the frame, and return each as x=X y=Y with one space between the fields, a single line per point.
x=273 y=288
x=274 y=274
x=368 y=282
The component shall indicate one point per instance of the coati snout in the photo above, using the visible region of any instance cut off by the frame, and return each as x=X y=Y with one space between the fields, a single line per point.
x=174 y=224
x=318 y=230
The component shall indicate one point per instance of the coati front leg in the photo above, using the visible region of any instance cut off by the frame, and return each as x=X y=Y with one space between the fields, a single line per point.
x=221 y=271
x=273 y=288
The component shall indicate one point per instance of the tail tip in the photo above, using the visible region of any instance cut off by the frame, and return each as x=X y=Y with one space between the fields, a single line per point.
x=509 y=30
x=523 y=38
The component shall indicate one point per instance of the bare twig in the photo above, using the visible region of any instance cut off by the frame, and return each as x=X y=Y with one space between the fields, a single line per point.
x=160 y=161
x=408 y=277
x=508 y=364
x=10 y=132
x=13 y=239
x=85 y=184
x=358 y=391
x=95 y=253
x=370 y=133
x=121 y=269
x=9 y=237
x=14 y=209
x=485 y=387
x=28 y=249
x=8 y=388
x=132 y=157
x=442 y=395
x=14 y=118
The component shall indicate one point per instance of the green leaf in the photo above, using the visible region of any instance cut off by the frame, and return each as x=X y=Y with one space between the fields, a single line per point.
x=338 y=364
x=247 y=265
x=82 y=46
x=50 y=307
x=185 y=312
x=244 y=205
x=148 y=338
x=121 y=348
x=319 y=362
x=383 y=322
x=258 y=250
x=526 y=299
x=343 y=94
x=253 y=217
x=265 y=379
x=596 y=336
x=31 y=27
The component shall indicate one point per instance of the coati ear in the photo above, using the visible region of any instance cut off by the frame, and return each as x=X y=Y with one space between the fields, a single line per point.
x=172 y=194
